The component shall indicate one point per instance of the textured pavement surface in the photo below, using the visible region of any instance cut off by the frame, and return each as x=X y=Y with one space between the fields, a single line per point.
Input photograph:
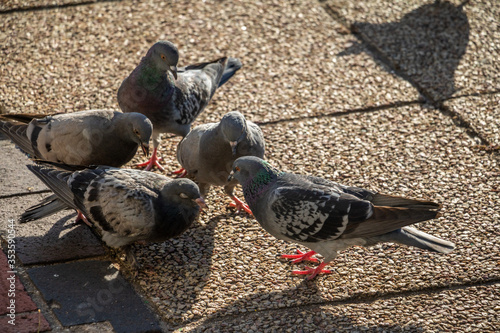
x=400 y=97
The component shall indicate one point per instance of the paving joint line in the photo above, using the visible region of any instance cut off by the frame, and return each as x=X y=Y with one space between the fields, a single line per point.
x=474 y=94
x=355 y=299
x=342 y=113
x=381 y=57
x=21 y=194
x=50 y=7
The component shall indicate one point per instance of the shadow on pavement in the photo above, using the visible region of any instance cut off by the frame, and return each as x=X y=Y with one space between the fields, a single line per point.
x=426 y=45
x=303 y=319
x=182 y=265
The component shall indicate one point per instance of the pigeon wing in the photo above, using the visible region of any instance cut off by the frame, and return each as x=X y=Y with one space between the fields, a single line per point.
x=195 y=87
x=313 y=215
x=120 y=205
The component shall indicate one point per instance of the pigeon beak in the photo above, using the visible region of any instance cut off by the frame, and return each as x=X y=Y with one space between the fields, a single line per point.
x=201 y=203
x=173 y=70
x=230 y=178
x=145 y=149
x=234 y=145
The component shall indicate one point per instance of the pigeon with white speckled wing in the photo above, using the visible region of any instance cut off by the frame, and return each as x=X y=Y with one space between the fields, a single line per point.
x=93 y=137
x=207 y=153
x=172 y=98
x=328 y=217
x=125 y=205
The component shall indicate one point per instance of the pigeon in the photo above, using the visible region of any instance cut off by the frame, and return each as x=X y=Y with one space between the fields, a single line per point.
x=328 y=217
x=207 y=153
x=172 y=98
x=93 y=137
x=125 y=205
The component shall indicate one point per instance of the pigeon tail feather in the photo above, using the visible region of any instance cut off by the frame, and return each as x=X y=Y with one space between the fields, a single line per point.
x=387 y=219
x=24 y=118
x=17 y=133
x=394 y=201
x=46 y=207
x=413 y=237
x=56 y=180
x=232 y=66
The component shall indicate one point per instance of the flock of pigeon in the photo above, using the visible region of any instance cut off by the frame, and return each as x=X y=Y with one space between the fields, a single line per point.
x=78 y=156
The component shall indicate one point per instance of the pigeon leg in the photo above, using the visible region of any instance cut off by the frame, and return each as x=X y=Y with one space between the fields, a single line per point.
x=81 y=218
x=314 y=271
x=181 y=173
x=130 y=256
x=153 y=161
x=300 y=256
x=240 y=205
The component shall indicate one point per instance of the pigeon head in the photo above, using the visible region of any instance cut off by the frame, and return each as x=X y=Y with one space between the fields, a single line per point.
x=234 y=129
x=184 y=192
x=141 y=130
x=251 y=172
x=164 y=56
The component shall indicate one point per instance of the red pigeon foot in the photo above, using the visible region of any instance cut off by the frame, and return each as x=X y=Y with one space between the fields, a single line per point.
x=300 y=256
x=82 y=218
x=239 y=205
x=181 y=173
x=153 y=161
x=314 y=271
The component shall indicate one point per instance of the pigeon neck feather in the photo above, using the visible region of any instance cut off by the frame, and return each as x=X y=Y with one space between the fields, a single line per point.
x=150 y=78
x=260 y=183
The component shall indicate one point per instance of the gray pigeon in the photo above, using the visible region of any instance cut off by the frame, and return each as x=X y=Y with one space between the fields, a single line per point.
x=172 y=98
x=328 y=217
x=207 y=153
x=125 y=205
x=80 y=138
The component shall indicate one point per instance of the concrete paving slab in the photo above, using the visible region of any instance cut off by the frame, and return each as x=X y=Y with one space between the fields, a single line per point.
x=445 y=48
x=10 y=5
x=52 y=239
x=93 y=291
x=297 y=64
x=483 y=112
x=412 y=151
x=291 y=64
x=16 y=178
x=469 y=309
x=377 y=12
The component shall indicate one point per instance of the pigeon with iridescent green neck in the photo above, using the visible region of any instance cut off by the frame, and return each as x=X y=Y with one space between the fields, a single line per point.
x=207 y=153
x=172 y=97
x=328 y=217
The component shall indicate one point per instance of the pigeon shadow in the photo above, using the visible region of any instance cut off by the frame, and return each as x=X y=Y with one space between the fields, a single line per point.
x=425 y=46
x=56 y=242
x=307 y=318
x=182 y=264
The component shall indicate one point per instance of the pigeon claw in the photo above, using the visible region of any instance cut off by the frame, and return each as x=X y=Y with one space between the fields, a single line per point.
x=314 y=271
x=181 y=173
x=300 y=256
x=153 y=161
x=240 y=205
x=81 y=218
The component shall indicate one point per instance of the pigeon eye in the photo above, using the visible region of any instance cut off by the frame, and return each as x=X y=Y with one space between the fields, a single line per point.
x=237 y=169
x=163 y=56
x=183 y=196
x=136 y=131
